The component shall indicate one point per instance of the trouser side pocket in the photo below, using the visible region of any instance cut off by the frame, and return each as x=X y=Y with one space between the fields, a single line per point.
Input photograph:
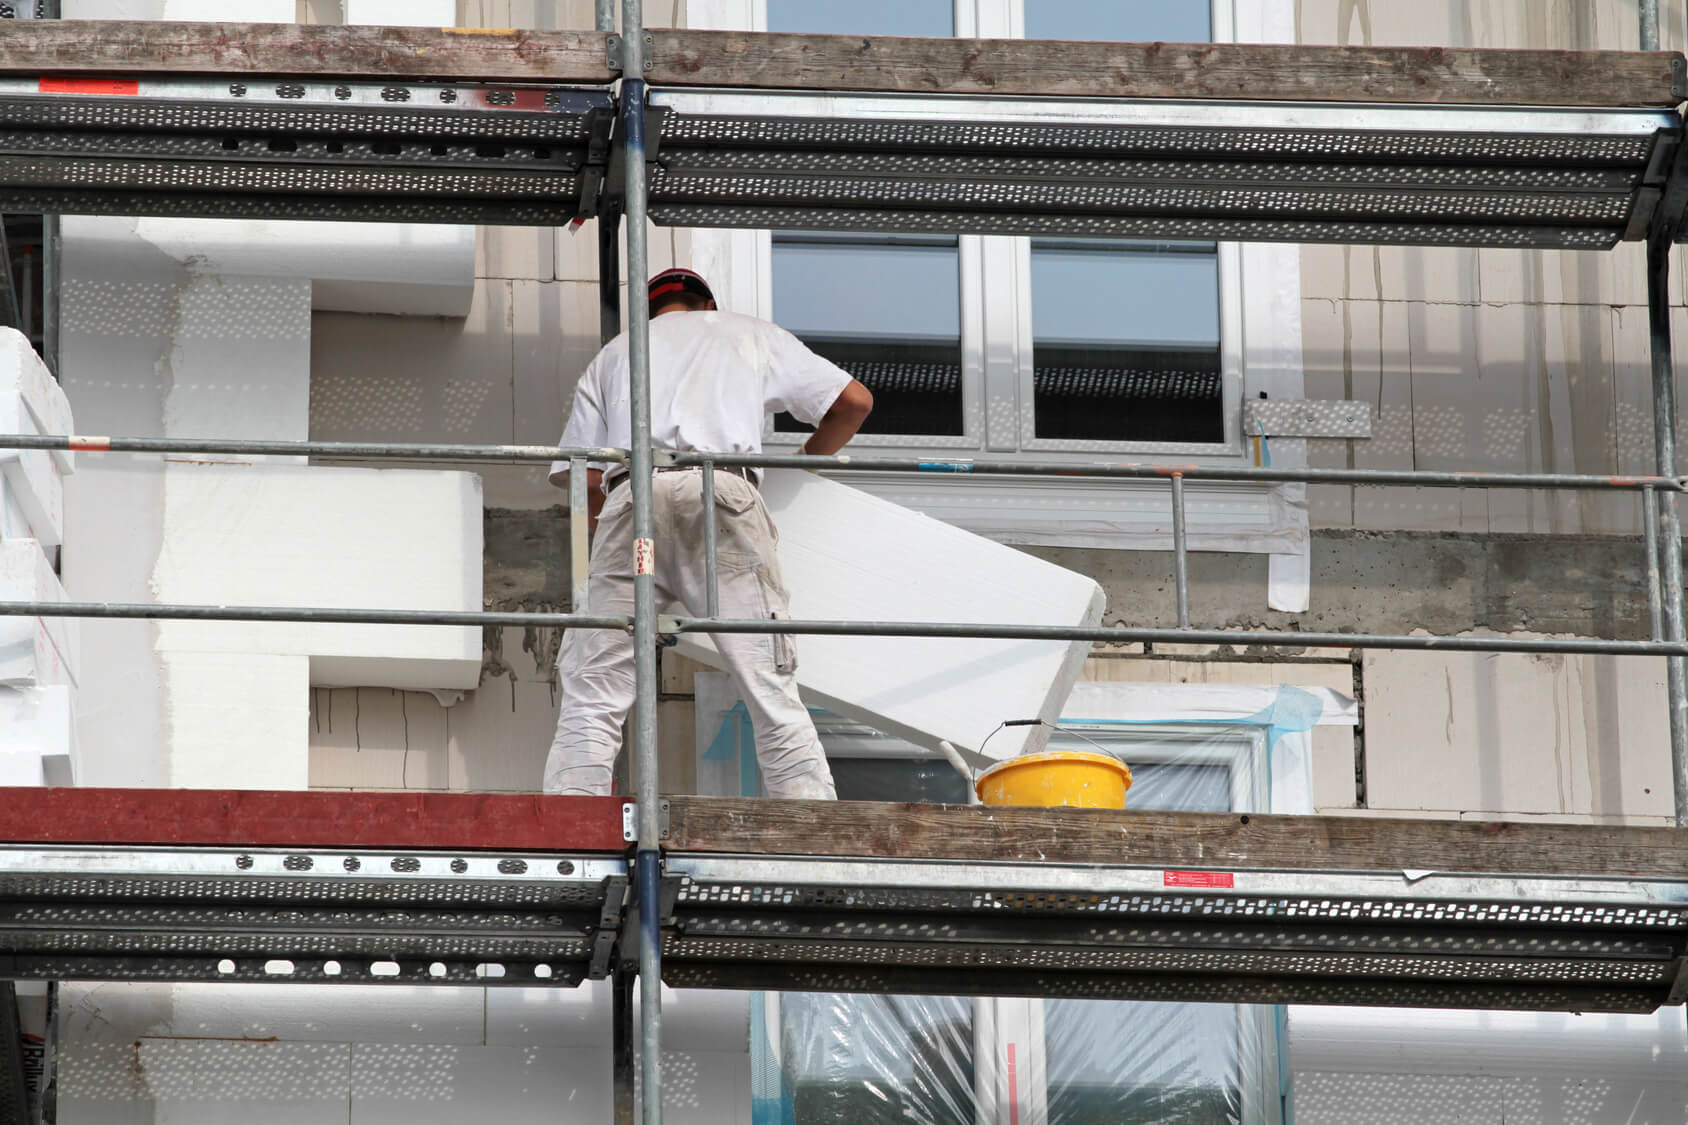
x=785 y=645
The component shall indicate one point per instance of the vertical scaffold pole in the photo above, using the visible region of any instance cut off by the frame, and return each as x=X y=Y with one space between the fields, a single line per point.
x=1180 y=552
x=1649 y=25
x=609 y=230
x=632 y=105
x=1670 y=528
x=622 y=1060
x=609 y=274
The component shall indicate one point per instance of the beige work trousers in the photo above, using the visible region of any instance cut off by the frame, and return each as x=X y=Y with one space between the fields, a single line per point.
x=597 y=665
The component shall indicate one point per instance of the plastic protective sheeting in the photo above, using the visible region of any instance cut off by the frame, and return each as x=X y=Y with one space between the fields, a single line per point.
x=864 y=1060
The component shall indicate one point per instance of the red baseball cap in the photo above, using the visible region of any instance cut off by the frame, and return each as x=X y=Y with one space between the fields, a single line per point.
x=678 y=280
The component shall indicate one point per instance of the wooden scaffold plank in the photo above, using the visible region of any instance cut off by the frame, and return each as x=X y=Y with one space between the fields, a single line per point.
x=887 y=64
x=1170 y=839
x=1206 y=71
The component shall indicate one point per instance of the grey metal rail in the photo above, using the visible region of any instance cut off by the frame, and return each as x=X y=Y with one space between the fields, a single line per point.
x=360 y=450
x=845 y=462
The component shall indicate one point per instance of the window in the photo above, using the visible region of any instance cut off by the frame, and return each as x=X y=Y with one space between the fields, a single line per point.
x=894 y=1059
x=1047 y=349
x=887 y=310
x=1125 y=340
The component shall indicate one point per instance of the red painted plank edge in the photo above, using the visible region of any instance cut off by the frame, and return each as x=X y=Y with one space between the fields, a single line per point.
x=253 y=818
x=90 y=86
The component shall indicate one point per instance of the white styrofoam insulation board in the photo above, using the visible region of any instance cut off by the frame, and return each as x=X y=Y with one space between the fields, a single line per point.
x=850 y=556
x=34 y=650
x=36 y=723
x=236 y=720
x=22 y=374
x=32 y=480
x=282 y=534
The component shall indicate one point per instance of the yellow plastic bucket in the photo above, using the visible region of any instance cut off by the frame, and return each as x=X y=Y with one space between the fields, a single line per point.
x=1059 y=777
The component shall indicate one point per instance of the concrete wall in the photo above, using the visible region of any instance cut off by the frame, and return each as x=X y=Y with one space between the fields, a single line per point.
x=1503 y=360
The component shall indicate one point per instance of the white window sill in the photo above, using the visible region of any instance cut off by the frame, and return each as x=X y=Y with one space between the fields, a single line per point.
x=1120 y=515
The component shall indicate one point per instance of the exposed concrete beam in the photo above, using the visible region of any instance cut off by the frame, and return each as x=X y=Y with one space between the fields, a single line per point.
x=1374 y=582
x=1396 y=582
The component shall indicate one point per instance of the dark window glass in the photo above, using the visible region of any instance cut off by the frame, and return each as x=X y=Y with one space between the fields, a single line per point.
x=1126 y=341
x=885 y=309
x=898 y=779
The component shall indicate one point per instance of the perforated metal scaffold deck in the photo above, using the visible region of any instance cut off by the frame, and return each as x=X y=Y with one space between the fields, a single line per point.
x=1159 y=170
x=319 y=888
x=388 y=139
x=302 y=149
x=912 y=898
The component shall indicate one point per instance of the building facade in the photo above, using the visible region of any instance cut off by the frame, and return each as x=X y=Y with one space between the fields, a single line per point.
x=989 y=346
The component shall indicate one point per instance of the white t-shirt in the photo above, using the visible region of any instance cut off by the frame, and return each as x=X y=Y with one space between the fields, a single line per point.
x=714 y=376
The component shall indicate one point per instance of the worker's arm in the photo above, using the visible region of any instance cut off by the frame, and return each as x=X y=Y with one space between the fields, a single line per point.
x=841 y=420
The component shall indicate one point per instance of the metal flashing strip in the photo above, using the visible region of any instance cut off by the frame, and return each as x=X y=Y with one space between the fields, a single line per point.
x=1163 y=169
x=1407 y=938
x=1307 y=418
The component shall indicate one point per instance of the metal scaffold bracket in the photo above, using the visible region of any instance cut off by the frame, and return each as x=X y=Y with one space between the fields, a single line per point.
x=609 y=926
x=630 y=818
x=615 y=51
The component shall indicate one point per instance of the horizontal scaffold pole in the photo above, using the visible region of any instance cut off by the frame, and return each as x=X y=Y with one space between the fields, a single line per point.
x=1125 y=634
x=846 y=462
x=314 y=615
x=1097 y=634
x=886 y=64
x=361 y=450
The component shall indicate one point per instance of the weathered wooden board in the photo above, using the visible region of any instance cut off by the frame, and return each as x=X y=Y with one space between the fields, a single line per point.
x=1220 y=841
x=134 y=47
x=1439 y=75
x=1430 y=75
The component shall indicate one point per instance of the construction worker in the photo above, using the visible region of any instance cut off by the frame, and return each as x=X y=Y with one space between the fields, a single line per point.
x=714 y=377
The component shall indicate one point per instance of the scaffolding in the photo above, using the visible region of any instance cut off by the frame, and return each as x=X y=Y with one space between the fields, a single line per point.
x=1571 y=150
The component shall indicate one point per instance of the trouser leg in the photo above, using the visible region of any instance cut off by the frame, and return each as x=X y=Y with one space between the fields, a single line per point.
x=596 y=669
x=787 y=747
x=763 y=665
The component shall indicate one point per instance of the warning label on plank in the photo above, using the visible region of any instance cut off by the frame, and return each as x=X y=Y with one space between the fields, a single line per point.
x=1198 y=879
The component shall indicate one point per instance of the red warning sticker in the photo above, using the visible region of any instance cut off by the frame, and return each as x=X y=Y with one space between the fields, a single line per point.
x=644 y=557
x=90 y=86
x=1198 y=879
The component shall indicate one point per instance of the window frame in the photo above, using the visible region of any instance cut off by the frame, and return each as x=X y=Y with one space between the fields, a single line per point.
x=1242 y=751
x=1260 y=352
x=994 y=287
